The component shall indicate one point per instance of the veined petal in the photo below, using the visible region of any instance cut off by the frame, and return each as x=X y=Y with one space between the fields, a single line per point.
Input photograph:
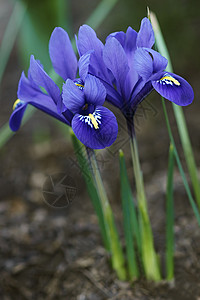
x=159 y=61
x=144 y=90
x=145 y=36
x=130 y=43
x=83 y=64
x=174 y=88
x=30 y=94
x=40 y=77
x=119 y=35
x=130 y=48
x=72 y=96
x=16 y=116
x=87 y=41
x=116 y=61
x=62 y=54
x=143 y=63
x=98 y=130
x=148 y=62
x=94 y=91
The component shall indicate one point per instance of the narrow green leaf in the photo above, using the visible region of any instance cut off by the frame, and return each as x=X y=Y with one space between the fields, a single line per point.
x=41 y=18
x=129 y=218
x=170 y=217
x=86 y=172
x=100 y=13
x=10 y=35
x=101 y=205
x=187 y=188
x=179 y=115
x=149 y=256
x=115 y=245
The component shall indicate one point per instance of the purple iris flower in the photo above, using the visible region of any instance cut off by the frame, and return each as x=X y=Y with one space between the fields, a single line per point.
x=79 y=105
x=130 y=69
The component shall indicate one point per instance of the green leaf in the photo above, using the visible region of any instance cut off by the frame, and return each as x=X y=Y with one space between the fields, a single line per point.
x=86 y=172
x=117 y=256
x=131 y=227
x=187 y=188
x=170 y=217
x=179 y=115
x=149 y=256
x=10 y=34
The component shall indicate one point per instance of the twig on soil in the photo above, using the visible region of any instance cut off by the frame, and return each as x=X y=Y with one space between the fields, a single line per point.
x=98 y=285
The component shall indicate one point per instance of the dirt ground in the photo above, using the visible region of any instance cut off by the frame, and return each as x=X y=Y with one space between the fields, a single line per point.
x=53 y=250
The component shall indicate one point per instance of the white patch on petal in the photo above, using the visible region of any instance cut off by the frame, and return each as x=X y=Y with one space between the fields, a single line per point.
x=169 y=80
x=92 y=120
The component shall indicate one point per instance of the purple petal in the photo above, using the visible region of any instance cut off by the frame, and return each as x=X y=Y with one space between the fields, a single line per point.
x=143 y=63
x=16 y=117
x=94 y=91
x=130 y=43
x=116 y=61
x=62 y=54
x=145 y=36
x=130 y=47
x=87 y=41
x=174 y=88
x=84 y=63
x=97 y=132
x=28 y=94
x=40 y=77
x=143 y=90
x=73 y=96
x=120 y=36
x=159 y=61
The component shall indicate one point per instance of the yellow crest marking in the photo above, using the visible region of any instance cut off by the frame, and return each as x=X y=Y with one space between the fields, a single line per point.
x=78 y=84
x=15 y=103
x=176 y=82
x=94 y=121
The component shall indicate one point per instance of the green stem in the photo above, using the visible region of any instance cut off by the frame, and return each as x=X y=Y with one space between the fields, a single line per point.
x=116 y=249
x=170 y=217
x=149 y=257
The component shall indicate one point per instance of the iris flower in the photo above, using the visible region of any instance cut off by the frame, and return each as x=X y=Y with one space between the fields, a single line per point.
x=130 y=69
x=79 y=105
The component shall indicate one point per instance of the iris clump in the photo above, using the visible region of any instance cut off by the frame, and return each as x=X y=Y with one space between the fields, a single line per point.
x=130 y=69
x=123 y=72
x=79 y=104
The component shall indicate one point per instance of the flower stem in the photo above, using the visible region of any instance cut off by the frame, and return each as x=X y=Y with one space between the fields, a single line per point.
x=149 y=257
x=170 y=217
x=117 y=257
